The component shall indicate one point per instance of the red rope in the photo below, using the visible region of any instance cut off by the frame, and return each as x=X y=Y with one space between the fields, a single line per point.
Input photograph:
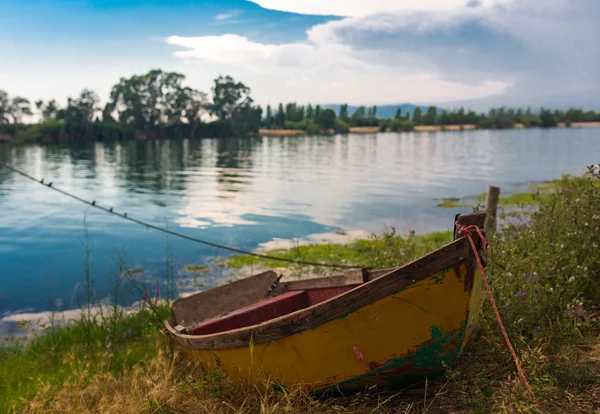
x=466 y=231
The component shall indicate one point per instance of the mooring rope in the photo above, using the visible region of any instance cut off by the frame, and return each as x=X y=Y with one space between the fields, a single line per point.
x=467 y=232
x=171 y=232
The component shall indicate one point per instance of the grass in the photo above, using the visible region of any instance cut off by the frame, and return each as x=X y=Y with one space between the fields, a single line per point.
x=532 y=197
x=545 y=274
x=452 y=202
x=383 y=251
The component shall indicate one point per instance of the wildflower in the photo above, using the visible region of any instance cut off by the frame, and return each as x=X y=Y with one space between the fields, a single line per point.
x=536 y=327
x=530 y=277
x=521 y=294
x=571 y=279
x=156 y=295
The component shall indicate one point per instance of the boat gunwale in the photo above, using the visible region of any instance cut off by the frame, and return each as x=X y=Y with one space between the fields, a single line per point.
x=451 y=254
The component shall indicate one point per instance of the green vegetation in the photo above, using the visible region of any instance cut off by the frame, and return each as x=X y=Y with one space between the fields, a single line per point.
x=296 y=117
x=533 y=196
x=158 y=105
x=152 y=105
x=543 y=269
x=378 y=251
x=451 y=202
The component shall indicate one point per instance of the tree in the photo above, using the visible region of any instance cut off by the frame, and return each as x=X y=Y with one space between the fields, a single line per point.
x=107 y=112
x=4 y=108
x=358 y=117
x=344 y=113
x=186 y=106
x=317 y=112
x=548 y=120
x=417 y=117
x=47 y=111
x=79 y=114
x=398 y=113
x=430 y=117
x=280 y=117
x=233 y=105
x=149 y=101
x=374 y=111
x=17 y=108
x=326 y=119
x=310 y=113
x=269 y=118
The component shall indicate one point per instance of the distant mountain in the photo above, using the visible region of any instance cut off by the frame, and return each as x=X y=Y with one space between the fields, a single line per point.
x=383 y=111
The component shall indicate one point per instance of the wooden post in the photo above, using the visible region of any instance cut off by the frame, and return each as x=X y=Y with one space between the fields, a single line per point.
x=491 y=206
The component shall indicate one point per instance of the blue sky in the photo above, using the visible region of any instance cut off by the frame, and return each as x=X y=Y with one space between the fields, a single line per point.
x=479 y=52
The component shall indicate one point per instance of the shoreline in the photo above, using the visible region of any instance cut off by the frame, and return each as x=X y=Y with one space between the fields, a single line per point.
x=418 y=128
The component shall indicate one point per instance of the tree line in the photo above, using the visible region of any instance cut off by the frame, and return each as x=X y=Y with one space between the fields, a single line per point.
x=157 y=104
x=292 y=116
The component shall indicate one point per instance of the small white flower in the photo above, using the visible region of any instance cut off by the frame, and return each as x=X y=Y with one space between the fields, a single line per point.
x=571 y=279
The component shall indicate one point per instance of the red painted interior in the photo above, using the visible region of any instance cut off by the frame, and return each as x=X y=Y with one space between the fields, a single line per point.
x=268 y=309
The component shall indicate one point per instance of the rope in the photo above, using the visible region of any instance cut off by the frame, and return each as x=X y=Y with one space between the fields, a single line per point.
x=466 y=231
x=170 y=232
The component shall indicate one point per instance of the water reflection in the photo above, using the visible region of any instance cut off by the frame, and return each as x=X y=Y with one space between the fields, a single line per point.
x=248 y=192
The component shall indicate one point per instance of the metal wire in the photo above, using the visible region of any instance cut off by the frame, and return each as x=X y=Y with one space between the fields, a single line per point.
x=167 y=231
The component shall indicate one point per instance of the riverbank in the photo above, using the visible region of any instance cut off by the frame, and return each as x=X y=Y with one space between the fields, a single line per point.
x=416 y=128
x=544 y=271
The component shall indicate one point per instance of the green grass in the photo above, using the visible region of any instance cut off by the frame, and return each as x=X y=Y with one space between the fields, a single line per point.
x=452 y=202
x=532 y=197
x=545 y=274
x=382 y=251
x=100 y=345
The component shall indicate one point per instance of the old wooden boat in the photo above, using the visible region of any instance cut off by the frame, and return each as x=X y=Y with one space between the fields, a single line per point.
x=394 y=326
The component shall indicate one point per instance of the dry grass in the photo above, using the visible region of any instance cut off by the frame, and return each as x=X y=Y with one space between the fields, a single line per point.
x=585 y=124
x=280 y=132
x=364 y=130
x=484 y=381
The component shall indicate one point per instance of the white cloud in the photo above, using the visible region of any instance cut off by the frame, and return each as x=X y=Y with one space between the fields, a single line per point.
x=330 y=65
x=229 y=15
x=503 y=51
x=348 y=8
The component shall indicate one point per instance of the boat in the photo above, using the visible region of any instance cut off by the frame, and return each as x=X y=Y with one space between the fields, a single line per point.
x=393 y=327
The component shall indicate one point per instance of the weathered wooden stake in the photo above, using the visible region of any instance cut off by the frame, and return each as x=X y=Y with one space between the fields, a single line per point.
x=491 y=206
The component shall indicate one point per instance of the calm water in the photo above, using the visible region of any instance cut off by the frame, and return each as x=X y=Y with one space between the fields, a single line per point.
x=244 y=193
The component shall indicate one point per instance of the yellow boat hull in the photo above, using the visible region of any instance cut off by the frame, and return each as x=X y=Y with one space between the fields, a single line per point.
x=400 y=339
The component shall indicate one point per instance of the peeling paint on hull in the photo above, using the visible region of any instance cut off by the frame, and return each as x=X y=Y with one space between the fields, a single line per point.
x=403 y=338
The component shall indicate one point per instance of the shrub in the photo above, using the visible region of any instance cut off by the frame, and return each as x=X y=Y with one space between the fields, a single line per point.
x=408 y=125
x=341 y=127
x=504 y=122
x=531 y=121
x=547 y=263
x=383 y=125
x=485 y=124
x=312 y=128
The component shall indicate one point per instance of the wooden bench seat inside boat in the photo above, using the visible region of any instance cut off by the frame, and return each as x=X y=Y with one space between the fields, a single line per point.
x=267 y=309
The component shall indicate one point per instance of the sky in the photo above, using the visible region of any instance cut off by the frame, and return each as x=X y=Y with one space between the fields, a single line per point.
x=478 y=53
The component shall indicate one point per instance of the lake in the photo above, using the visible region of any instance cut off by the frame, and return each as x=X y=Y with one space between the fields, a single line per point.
x=246 y=193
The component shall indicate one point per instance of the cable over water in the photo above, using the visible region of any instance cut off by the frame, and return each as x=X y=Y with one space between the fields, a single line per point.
x=171 y=232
